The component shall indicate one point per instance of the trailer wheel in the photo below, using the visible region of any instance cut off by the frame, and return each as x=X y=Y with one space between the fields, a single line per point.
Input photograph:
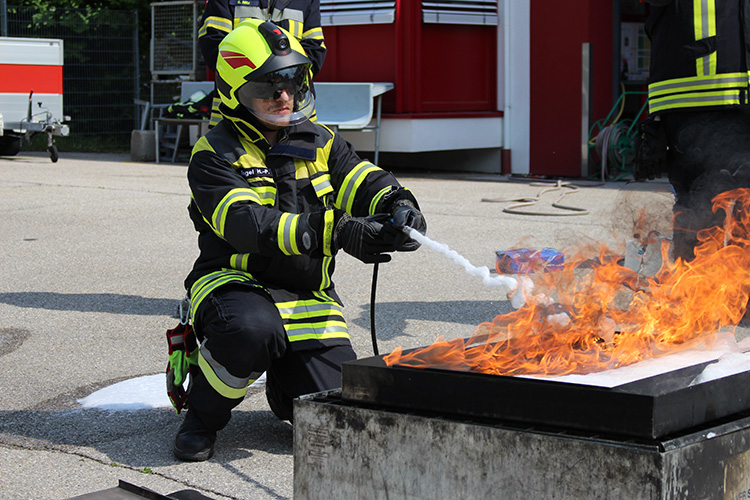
x=10 y=145
x=53 y=153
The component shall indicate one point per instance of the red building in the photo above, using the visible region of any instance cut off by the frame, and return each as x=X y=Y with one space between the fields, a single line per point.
x=510 y=86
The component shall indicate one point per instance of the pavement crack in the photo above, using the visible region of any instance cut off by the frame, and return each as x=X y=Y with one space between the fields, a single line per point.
x=58 y=449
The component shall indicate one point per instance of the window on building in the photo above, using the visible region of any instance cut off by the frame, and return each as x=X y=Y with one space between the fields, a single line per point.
x=349 y=12
x=460 y=12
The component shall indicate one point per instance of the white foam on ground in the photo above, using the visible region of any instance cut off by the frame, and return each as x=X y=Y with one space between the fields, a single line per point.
x=149 y=391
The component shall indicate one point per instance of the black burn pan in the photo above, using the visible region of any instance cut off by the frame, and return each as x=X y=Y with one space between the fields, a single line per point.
x=649 y=408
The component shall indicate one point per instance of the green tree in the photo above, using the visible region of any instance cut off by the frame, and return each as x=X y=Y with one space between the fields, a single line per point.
x=143 y=7
x=85 y=25
x=140 y=5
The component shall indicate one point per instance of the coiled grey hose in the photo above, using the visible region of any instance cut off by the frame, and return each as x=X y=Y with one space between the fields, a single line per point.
x=529 y=201
x=608 y=136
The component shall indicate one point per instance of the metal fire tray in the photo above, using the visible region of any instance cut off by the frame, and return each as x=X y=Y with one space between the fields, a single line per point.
x=128 y=491
x=649 y=408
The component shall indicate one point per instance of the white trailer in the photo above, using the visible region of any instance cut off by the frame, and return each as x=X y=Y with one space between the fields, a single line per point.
x=31 y=93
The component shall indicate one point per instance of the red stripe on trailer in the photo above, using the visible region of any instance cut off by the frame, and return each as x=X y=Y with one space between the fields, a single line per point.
x=22 y=78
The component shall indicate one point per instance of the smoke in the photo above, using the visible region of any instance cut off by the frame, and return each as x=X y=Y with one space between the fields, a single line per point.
x=638 y=214
x=709 y=153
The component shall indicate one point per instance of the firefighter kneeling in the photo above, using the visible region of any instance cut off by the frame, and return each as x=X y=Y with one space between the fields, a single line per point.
x=274 y=197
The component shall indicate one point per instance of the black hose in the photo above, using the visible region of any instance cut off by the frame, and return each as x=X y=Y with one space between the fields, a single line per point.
x=372 y=308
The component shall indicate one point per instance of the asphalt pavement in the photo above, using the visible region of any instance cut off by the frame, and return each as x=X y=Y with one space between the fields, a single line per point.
x=93 y=253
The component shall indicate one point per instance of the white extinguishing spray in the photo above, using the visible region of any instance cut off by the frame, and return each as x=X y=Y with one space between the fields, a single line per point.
x=516 y=294
x=483 y=272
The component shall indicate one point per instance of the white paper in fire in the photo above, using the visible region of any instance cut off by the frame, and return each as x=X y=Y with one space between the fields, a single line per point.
x=729 y=356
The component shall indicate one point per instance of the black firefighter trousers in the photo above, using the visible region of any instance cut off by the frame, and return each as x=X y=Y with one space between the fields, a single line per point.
x=243 y=331
x=709 y=153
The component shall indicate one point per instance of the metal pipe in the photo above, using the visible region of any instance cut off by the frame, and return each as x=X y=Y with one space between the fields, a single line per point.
x=3 y=18
x=137 y=77
x=616 y=53
x=377 y=129
x=585 y=106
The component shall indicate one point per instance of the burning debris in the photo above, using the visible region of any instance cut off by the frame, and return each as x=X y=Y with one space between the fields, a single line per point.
x=595 y=314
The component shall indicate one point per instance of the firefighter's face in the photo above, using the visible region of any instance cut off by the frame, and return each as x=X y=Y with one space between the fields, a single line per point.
x=279 y=109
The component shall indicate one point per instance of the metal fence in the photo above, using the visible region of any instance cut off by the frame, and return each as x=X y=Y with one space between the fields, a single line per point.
x=174 y=29
x=175 y=56
x=101 y=71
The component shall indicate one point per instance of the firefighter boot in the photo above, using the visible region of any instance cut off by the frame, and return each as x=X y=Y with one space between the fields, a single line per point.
x=194 y=441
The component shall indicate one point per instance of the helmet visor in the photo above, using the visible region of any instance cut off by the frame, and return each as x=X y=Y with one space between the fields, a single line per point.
x=271 y=86
x=286 y=83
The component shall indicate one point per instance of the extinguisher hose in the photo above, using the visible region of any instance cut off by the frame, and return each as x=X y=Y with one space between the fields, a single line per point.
x=372 y=308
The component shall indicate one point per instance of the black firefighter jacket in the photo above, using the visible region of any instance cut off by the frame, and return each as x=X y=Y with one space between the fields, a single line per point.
x=301 y=18
x=699 y=54
x=246 y=201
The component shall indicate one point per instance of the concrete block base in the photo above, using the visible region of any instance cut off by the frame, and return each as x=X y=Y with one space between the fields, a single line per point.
x=143 y=145
x=342 y=451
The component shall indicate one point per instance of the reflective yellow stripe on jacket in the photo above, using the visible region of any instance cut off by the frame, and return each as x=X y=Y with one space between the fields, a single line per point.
x=218 y=23
x=314 y=315
x=348 y=189
x=287 y=234
x=210 y=282
x=313 y=318
x=219 y=216
x=376 y=199
x=295 y=28
x=708 y=90
x=704 y=12
x=314 y=34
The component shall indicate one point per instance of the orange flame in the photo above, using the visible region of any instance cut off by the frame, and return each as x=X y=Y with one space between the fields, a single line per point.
x=596 y=315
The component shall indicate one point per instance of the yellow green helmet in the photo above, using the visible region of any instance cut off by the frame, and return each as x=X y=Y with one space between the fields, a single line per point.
x=258 y=59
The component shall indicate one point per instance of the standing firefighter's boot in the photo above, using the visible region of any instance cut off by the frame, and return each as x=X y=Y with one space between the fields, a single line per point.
x=194 y=441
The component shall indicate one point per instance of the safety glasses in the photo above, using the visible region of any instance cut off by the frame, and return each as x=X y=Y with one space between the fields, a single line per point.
x=292 y=80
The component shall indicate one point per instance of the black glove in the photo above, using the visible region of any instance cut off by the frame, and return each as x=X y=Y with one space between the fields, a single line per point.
x=404 y=210
x=650 y=150
x=404 y=213
x=365 y=238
